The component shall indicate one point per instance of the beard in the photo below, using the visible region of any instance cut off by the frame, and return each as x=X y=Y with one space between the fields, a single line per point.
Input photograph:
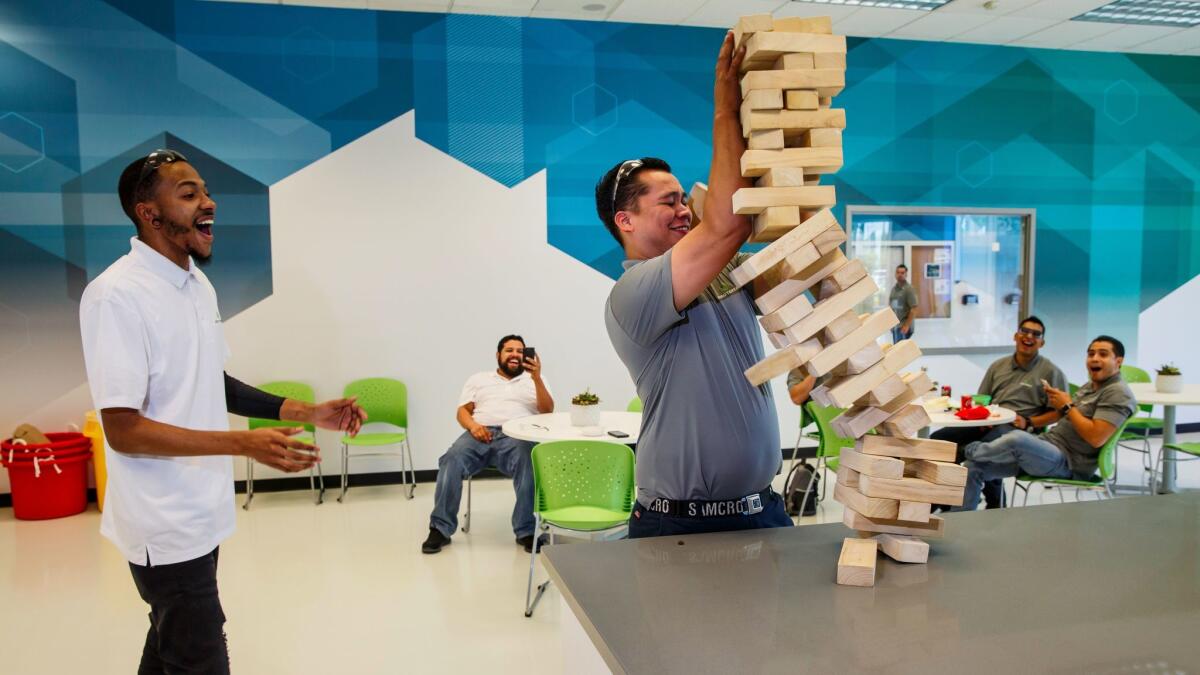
x=511 y=371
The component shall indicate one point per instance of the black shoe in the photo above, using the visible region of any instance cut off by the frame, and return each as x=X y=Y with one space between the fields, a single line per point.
x=527 y=542
x=434 y=542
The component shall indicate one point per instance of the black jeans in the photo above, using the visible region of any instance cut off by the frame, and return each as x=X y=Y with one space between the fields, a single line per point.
x=187 y=625
x=643 y=523
x=993 y=490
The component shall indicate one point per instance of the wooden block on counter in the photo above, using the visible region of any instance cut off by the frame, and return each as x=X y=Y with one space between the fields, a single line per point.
x=902 y=548
x=755 y=163
x=876 y=508
x=872 y=465
x=907 y=448
x=913 y=512
x=942 y=473
x=857 y=521
x=774 y=222
x=747 y=201
x=856 y=563
x=774 y=253
x=909 y=490
x=825 y=311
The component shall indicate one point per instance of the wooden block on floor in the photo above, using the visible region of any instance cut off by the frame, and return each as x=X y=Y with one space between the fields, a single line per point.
x=942 y=473
x=827 y=81
x=857 y=521
x=749 y=25
x=782 y=362
x=841 y=327
x=764 y=99
x=779 y=249
x=747 y=201
x=829 y=239
x=802 y=99
x=905 y=549
x=890 y=388
x=913 y=512
x=856 y=563
x=823 y=138
x=843 y=392
x=766 y=139
x=907 y=422
x=872 y=465
x=774 y=222
x=907 y=448
x=755 y=163
x=909 y=490
x=696 y=199
x=857 y=421
x=808 y=24
x=764 y=48
x=847 y=476
x=796 y=123
x=854 y=342
x=797 y=61
x=876 y=508
x=796 y=309
x=825 y=311
x=783 y=176
x=859 y=361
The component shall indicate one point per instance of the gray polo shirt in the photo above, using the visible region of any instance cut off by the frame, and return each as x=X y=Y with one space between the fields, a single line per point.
x=1111 y=401
x=707 y=433
x=902 y=299
x=1020 y=389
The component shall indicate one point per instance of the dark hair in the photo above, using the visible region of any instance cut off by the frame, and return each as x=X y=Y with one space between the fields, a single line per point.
x=506 y=338
x=1032 y=319
x=628 y=192
x=902 y=265
x=1117 y=347
x=131 y=192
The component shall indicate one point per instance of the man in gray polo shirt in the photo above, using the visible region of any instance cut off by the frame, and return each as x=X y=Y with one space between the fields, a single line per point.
x=709 y=443
x=1014 y=382
x=903 y=301
x=1070 y=449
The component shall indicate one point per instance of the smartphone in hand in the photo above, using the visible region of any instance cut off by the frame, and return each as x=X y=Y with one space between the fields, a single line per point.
x=528 y=353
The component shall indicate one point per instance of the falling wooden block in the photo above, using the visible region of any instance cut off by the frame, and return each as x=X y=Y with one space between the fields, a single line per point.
x=799 y=259
x=847 y=476
x=784 y=287
x=859 y=361
x=779 y=249
x=696 y=199
x=823 y=138
x=858 y=339
x=885 y=391
x=798 y=24
x=826 y=81
x=751 y=24
x=872 y=465
x=798 y=308
x=782 y=362
x=841 y=327
x=916 y=384
x=803 y=99
x=778 y=340
x=751 y=200
x=825 y=311
x=907 y=422
x=858 y=421
x=774 y=222
x=829 y=239
x=857 y=521
x=833 y=60
x=856 y=564
x=907 y=448
x=876 y=508
x=909 y=489
x=763 y=49
x=755 y=163
x=913 y=512
x=784 y=176
x=766 y=139
x=905 y=549
x=942 y=473
x=795 y=123
x=843 y=392
x=764 y=99
x=845 y=276
x=796 y=61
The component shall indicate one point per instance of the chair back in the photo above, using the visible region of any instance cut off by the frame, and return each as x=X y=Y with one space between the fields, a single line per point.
x=831 y=443
x=1071 y=389
x=635 y=405
x=383 y=399
x=297 y=391
x=583 y=473
x=1135 y=374
x=1107 y=461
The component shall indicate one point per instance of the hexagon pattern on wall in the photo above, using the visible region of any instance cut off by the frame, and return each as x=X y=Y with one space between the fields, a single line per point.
x=22 y=142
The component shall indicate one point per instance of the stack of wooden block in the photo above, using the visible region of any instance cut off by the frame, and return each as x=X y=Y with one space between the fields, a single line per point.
x=793 y=68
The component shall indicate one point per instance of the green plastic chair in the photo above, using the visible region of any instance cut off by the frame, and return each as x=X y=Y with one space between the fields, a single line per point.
x=1107 y=473
x=829 y=447
x=297 y=391
x=635 y=405
x=384 y=400
x=1191 y=449
x=579 y=486
x=1139 y=427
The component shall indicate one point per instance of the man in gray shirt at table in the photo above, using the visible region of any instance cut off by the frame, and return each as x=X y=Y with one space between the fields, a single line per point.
x=709 y=443
x=1015 y=383
x=1071 y=448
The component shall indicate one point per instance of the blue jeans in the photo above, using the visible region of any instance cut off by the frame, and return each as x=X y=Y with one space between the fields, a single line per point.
x=468 y=457
x=643 y=523
x=1009 y=455
x=898 y=335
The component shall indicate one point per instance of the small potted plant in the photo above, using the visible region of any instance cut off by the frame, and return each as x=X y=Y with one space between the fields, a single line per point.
x=1169 y=379
x=585 y=409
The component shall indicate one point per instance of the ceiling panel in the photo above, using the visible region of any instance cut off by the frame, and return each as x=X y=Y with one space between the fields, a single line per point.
x=505 y=5
x=1066 y=33
x=456 y=8
x=1180 y=42
x=655 y=11
x=1061 y=9
x=816 y=9
x=342 y=4
x=582 y=10
x=999 y=7
x=1125 y=37
x=410 y=5
x=1004 y=29
x=875 y=21
x=937 y=26
x=725 y=13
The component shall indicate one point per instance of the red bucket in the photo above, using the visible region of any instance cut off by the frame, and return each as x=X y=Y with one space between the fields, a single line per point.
x=50 y=481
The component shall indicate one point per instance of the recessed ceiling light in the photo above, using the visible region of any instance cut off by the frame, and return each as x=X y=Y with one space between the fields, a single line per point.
x=1178 y=13
x=594 y=7
x=926 y=5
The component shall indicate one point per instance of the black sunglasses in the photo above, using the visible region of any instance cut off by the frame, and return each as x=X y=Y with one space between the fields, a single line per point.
x=627 y=167
x=1035 y=334
x=156 y=159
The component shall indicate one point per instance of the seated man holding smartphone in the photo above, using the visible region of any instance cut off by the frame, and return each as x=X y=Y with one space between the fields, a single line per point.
x=488 y=400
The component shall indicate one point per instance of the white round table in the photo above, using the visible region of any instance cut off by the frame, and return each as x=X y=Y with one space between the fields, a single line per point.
x=946 y=418
x=557 y=427
x=1146 y=394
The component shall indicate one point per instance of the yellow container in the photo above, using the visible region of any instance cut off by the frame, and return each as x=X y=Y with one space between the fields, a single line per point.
x=93 y=430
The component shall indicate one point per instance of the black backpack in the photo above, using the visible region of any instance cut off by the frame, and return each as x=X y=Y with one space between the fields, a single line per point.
x=797 y=480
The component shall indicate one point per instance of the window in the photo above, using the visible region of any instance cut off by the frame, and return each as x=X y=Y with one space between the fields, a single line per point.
x=971 y=269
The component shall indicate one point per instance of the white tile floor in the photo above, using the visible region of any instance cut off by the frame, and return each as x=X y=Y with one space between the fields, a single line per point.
x=308 y=589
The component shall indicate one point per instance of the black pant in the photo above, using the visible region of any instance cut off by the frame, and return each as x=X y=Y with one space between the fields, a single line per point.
x=643 y=523
x=993 y=490
x=187 y=625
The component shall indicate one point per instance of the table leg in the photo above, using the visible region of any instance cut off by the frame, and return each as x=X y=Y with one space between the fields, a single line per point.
x=1168 y=465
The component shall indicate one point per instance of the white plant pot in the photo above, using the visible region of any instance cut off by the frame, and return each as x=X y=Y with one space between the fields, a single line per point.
x=585 y=415
x=1169 y=384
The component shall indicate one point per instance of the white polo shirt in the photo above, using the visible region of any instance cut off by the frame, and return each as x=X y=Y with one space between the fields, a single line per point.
x=498 y=399
x=153 y=341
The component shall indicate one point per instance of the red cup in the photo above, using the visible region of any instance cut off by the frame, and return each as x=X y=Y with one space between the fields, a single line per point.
x=967 y=402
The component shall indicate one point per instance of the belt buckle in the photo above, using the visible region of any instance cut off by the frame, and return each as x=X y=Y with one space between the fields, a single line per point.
x=753 y=504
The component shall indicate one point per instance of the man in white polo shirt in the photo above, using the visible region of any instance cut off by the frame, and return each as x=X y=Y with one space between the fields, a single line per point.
x=488 y=400
x=155 y=352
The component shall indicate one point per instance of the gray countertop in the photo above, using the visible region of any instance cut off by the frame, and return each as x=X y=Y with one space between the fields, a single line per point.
x=1097 y=587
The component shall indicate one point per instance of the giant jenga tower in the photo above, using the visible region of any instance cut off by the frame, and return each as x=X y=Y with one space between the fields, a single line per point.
x=792 y=69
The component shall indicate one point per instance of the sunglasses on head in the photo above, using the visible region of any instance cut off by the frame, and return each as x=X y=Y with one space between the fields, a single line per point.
x=1035 y=334
x=156 y=159
x=627 y=167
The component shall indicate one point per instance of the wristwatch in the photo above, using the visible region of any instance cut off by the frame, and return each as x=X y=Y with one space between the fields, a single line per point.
x=1065 y=409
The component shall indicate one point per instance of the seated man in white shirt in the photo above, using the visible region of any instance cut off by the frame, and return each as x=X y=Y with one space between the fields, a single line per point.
x=488 y=400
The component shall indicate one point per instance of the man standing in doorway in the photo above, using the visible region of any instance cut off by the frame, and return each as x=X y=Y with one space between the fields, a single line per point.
x=155 y=351
x=903 y=300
